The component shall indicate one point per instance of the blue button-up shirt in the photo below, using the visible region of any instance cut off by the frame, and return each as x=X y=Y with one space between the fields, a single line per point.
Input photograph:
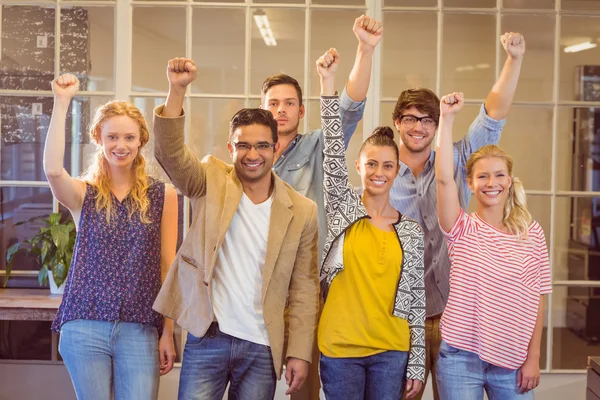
x=301 y=164
x=416 y=197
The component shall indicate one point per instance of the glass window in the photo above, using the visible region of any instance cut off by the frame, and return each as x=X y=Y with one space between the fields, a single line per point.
x=27 y=47
x=537 y=71
x=528 y=4
x=579 y=55
x=469 y=3
x=220 y=60
x=580 y=5
x=87 y=46
x=409 y=52
x=278 y=48
x=158 y=36
x=469 y=54
x=410 y=3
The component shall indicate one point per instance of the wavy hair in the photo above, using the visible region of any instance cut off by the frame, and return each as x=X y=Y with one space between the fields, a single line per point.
x=516 y=216
x=98 y=173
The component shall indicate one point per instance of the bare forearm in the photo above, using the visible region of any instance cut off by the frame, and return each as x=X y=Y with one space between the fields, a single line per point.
x=328 y=86
x=174 y=104
x=444 y=157
x=499 y=100
x=168 y=326
x=360 y=76
x=54 y=150
x=535 y=343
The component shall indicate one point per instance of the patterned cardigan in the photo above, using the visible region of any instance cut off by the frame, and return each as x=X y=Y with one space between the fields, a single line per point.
x=344 y=207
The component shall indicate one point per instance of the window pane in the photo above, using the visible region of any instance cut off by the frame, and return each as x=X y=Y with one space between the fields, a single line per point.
x=314 y=121
x=280 y=1
x=578 y=83
x=158 y=36
x=220 y=61
x=287 y=57
x=340 y=2
x=530 y=128
x=21 y=204
x=27 y=47
x=386 y=108
x=537 y=71
x=528 y=4
x=578 y=141
x=336 y=26
x=26 y=340
x=87 y=46
x=580 y=5
x=223 y=1
x=576 y=328
x=470 y=3
x=209 y=126
x=410 y=3
x=410 y=62
x=469 y=54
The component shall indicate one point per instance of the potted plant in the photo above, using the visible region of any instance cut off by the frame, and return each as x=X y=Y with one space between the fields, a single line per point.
x=53 y=248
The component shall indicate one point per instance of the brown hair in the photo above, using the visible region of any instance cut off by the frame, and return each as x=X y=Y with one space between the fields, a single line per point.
x=423 y=99
x=281 y=79
x=251 y=116
x=98 y=173
x=382 y=136
x=516 y=216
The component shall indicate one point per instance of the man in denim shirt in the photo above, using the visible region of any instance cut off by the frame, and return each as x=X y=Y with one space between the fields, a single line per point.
x=299 y=161
x=416 y=117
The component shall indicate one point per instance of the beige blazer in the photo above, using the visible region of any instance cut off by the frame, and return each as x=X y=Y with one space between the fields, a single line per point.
x=291 y=263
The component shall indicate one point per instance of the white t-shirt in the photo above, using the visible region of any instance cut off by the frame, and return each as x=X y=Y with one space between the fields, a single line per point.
x=237 y=280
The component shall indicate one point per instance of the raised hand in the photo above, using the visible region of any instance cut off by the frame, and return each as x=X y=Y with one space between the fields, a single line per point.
x=328 y=63
x=65 y=87
x=514 y=44
x=368 y=31
x=181 y=72
x=451 y=104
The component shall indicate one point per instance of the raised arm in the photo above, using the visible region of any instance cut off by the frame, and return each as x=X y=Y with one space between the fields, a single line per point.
x=369 y=32
x=67 y=190
x=499 y=100
x=448 y=206
x=334 y=154
x=181 y=165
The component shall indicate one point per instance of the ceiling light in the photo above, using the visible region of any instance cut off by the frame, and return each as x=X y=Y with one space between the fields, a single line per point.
x=262 y=22
x=580 y=47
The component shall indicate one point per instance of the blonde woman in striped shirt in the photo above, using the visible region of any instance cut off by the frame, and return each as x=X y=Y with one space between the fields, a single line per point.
x=492 y=325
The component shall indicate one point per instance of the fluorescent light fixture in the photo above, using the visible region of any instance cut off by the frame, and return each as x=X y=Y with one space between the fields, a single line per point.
x=580 y=47
x=482 y=66
x=262 y=22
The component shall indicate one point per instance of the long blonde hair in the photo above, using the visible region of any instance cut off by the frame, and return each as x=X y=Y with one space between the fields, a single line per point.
x=98 y=173
x=517 y=218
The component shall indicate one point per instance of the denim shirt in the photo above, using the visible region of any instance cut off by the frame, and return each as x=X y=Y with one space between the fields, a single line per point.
x=301 y=164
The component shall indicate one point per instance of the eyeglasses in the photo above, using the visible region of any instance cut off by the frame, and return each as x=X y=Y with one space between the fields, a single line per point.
x=409 y=121
x=259 y=147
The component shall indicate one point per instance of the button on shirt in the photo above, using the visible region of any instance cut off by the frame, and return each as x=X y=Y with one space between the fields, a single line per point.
x=416 y=197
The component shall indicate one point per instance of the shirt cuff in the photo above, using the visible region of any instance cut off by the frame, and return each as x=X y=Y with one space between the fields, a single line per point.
x=158 y=111
x=350 y=105
x=489 y=122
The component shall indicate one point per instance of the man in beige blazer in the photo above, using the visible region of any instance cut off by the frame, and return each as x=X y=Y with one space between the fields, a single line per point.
x=251 y=248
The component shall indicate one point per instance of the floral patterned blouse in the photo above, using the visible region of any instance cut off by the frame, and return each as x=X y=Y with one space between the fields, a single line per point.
x=115 y=270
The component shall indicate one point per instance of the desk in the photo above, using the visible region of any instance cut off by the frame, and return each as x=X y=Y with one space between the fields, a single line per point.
x=28 y=304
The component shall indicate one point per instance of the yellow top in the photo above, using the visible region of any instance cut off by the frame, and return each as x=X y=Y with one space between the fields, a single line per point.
x=357 y=320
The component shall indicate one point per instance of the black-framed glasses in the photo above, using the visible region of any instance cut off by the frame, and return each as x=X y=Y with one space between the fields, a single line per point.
x=409 y=121
x=259 y=147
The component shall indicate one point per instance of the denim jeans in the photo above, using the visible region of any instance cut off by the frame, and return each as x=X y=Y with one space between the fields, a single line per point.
x=217 y=359
x=462 y=375
x=103 y=357
x=378 y=377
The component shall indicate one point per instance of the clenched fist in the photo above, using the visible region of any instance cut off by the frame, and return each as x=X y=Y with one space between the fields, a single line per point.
x=65 y=86
x=181 y=72
x=328 y=63
x=514 y=44
x=368 y=31
x=451 y=104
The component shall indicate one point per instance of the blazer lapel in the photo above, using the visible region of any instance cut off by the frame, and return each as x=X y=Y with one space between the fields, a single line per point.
x=281 y=215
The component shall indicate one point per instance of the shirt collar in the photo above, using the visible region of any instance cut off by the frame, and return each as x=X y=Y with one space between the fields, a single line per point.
x=428 y=164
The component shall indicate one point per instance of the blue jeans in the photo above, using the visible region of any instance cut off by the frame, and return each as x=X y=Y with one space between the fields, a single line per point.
x=462 y=375
x=378 y=377
x=216 y=359
x=103 y=356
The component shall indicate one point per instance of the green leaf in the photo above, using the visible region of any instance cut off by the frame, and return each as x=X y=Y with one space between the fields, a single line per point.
x=12 y=250
x=54 y=219
x=60 y=274
x=43 y=276
x=60 y=236
x=8 y=270
x=44 y=253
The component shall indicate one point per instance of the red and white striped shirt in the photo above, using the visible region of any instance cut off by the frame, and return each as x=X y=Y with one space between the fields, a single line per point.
x=495 y=287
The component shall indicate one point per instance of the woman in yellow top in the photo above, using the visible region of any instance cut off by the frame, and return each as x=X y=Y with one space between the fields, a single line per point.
x=371 y=333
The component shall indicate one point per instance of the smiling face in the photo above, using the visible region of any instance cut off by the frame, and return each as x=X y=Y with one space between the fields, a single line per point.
x=377 y=167
x=416 y=138
x=490 y=181
x=120 y=139
x=252 y=165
